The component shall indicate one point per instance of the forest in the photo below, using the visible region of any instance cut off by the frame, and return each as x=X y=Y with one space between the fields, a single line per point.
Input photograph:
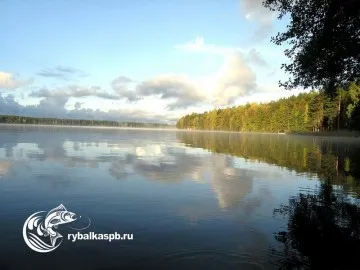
x=13 y=119
x=307 y=112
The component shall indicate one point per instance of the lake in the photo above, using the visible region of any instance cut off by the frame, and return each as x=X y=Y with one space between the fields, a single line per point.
x=191 y=200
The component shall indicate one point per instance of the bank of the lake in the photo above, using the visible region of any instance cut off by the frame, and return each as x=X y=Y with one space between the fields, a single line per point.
x=341 y=133
x=85 y=127
x=28 y=120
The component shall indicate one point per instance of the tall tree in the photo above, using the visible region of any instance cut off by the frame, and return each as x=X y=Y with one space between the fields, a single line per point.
x=324 y=36
x=353 y=102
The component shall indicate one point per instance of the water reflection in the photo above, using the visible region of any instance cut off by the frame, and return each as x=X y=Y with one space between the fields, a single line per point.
x=4 y=167
x=337 y=159
x=167 y=162
x=323 y=230
x=172 y=196
x=178 y=190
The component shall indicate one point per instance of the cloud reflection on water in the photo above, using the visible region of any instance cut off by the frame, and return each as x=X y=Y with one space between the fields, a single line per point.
x=126 y=154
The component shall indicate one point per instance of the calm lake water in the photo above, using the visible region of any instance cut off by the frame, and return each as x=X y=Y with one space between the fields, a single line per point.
x=192 y=200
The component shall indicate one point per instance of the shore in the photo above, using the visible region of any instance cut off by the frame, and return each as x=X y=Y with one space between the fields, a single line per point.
x=338 y=136
x=342 y=134
x=88 y=127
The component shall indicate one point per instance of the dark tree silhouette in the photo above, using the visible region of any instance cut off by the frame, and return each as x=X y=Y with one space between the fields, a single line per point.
x=324 y=36
x=323 y=231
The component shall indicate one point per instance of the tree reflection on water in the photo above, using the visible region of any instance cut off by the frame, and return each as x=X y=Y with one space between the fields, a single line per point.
x=323 y=231
x=323 y=227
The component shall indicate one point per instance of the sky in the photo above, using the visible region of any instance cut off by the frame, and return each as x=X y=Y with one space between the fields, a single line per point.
x=149 y=61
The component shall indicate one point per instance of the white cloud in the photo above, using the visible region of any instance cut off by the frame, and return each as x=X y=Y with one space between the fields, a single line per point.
x=120 y=86
x=252 y=55
x=55 y=107
x=168 y=94
x=266 y=93
x=164 y=97
x=253 y=10
x=74 y=91
x=77 y=105
x=234 y=79
x=256 y=58
x=180 y=90
x=60 y=72
x=8 y=81
x=199 y=46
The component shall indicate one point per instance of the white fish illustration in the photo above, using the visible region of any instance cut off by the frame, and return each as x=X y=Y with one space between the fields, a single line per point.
x=53 y=219
x=39 y=226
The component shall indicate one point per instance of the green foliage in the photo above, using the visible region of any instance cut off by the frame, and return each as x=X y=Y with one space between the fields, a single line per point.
x=324 y=39
x=314 y=111
x=13 y=119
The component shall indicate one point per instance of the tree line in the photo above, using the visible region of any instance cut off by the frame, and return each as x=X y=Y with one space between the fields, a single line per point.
x=313 y=111
x=14 y=119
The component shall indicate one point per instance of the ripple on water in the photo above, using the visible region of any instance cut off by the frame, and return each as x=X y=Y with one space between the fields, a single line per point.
x=202 y=259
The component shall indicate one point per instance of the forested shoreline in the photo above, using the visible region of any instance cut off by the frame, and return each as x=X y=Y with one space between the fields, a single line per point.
x=306 y=112
x=14 y=119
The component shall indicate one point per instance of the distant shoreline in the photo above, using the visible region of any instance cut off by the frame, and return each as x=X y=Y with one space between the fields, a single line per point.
x=84 y=126
x=348 y=135
x=46 y=121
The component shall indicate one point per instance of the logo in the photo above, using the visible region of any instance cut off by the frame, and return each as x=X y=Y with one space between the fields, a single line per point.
x=40 y=229
x=41 y=234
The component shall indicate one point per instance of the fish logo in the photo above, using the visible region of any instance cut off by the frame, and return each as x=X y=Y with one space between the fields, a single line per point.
x=39 y=230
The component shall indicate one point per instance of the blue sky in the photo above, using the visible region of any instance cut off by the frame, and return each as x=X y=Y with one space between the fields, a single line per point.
x=136 y=60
